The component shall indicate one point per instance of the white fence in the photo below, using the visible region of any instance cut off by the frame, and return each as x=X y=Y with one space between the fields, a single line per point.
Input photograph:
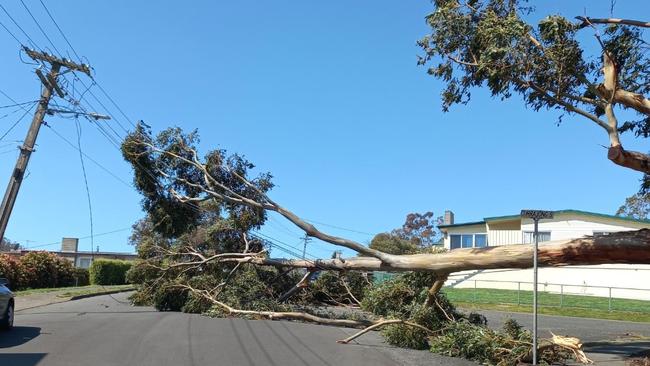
x=554 y=294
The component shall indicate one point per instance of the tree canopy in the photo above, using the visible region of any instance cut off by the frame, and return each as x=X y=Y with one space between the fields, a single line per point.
x=636 y=206
x=7 y=245
x=392 y=244
x=491 y=44
x=418 y=232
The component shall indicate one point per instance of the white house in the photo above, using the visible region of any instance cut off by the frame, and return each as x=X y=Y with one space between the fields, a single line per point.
x=621 y=279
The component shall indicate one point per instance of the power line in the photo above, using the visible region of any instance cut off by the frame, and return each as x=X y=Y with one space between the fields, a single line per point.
x=60 y=31
x=84 y=237
x=83 y=169
x=338 y=227
x=10 y=98
x=113 y=102
x=11 y=33
x=277 y=224
x=17 y=122
x=10 y=113
x=88 y=89
x=89 y=158
x=41 y=28
x=297 y=250
x=20 y=28
x=8 y=151
x=18 y=104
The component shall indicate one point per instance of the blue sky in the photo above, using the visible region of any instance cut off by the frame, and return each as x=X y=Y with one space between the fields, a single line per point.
x=325 y=95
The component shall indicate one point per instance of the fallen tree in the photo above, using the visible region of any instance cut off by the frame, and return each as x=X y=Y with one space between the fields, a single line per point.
x=631 y=247
x=183 y=192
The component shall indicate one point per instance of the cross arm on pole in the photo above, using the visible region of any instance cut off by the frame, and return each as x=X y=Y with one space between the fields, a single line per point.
x=44 y=56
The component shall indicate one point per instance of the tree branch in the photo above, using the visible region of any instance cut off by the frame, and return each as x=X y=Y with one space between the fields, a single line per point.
x=381 y=324
x=435 y=288
x=275 y=315
x=267 y=204
x=568 y=106
x=586 y=22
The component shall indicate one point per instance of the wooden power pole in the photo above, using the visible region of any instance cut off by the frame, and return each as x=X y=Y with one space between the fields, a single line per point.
x=50 y=85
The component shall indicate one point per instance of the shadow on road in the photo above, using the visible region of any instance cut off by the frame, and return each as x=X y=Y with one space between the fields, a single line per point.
x=21 y=359
x=17 y=336
x=627 y=348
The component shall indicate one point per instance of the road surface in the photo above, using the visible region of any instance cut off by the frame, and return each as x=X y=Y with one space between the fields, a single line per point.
x=607 y=342
x=107 y=331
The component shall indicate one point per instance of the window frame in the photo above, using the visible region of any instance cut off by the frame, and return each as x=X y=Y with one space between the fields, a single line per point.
x=532 y=236
x=473 y=240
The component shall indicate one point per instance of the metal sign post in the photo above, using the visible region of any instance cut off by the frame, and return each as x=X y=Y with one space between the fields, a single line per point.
x=536 y=215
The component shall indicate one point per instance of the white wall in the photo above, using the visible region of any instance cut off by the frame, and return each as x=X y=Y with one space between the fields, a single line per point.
x=504 y=237
x=576 y=280
x=567 y=226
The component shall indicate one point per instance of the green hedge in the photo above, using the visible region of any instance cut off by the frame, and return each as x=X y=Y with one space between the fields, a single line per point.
x=108 y=272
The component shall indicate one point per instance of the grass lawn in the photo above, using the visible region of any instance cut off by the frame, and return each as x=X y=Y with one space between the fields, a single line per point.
x=572 y=305
x=73 y=291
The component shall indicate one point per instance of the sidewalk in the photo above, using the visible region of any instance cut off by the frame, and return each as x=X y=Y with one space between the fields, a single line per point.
x=37 y=299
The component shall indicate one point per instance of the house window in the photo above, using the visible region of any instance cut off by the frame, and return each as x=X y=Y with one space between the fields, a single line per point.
x=529 y=236
x=84 y=262
x=468 y=241
x=480 y=240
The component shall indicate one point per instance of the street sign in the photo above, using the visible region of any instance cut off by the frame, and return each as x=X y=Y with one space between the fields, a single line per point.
x=536 y=215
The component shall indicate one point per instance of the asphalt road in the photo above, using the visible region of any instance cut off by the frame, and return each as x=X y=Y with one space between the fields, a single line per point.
x=104 y=330
x=588 y=330
x=607 y=342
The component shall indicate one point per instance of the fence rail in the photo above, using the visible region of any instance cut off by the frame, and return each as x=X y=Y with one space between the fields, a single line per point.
x=607 y=298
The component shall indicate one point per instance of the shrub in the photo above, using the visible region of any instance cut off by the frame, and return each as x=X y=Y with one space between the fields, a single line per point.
x=12 y=269
x=65 y=271
x=81 y=277
x=44 y=269
x=108 y=272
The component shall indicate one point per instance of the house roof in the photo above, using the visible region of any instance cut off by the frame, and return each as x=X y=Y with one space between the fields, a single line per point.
x=24 y=251
x=557 y=212
x=462 y=224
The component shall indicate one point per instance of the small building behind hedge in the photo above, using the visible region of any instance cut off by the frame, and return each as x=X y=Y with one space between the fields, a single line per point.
x=80 y=259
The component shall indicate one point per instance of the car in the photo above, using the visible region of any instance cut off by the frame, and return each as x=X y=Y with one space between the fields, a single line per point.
x=7 y=306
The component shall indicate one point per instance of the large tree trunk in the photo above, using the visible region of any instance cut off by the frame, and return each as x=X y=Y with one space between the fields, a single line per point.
x=632 y=247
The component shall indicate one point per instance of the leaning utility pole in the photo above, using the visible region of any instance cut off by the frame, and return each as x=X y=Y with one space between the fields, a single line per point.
x=50 y=85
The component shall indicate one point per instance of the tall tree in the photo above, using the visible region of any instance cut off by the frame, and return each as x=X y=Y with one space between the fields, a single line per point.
x=420 y=229
x=636 y=206
x=392 y=244
x=550 y=65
